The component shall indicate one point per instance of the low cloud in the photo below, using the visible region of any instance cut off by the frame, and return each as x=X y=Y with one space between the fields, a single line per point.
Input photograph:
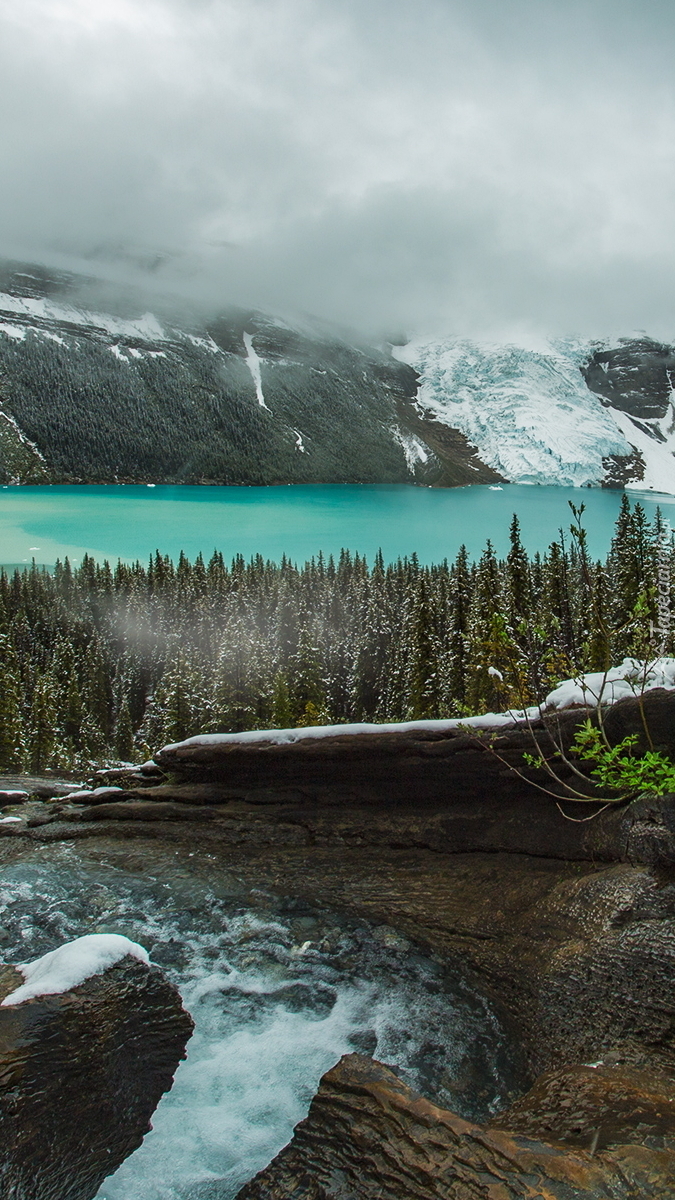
x=433 y=165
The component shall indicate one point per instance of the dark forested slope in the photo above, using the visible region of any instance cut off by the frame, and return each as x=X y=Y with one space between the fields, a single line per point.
x=91 y=396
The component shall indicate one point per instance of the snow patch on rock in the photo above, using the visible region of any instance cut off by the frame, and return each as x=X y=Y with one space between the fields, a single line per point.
x=70 y=965
x=658 y=456
x=629 y=679
x=13 y=331
x=253 y=363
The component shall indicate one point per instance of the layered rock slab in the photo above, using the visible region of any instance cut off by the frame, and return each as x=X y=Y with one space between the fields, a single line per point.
x=452 y=789
x=81 y=1073
x=369 y=1136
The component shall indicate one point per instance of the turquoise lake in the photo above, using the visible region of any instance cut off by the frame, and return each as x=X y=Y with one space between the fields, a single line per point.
x=130 y=522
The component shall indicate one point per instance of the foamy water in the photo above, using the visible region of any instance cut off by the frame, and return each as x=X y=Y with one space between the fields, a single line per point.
x=278 y=994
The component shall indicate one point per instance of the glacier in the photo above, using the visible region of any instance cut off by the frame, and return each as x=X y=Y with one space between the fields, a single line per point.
x=527 y=410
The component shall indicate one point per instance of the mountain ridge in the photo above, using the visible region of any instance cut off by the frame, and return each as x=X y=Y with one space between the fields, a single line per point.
x=117 y=394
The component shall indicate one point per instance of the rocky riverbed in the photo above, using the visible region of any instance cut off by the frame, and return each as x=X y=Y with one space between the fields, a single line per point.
x=566 y=933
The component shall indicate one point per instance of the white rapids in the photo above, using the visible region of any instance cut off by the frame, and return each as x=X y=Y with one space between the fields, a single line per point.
x=278 y=993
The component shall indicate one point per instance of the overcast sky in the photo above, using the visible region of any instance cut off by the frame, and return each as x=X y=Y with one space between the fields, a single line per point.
x=476 y=166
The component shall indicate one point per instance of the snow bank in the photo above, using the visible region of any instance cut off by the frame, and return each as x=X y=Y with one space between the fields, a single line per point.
x=285 y=736
x=70 y=965
x=628 y=679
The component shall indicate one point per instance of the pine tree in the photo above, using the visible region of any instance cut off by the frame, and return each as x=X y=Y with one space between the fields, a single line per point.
x=178 y=697
x=489 y=650
x=282 y=713
x=461 y=588
x=42 y=725
x=12 y=748
x=518 y=585
x=124 y=733
x=73 y=714
x=423 y=698
x=97 y=689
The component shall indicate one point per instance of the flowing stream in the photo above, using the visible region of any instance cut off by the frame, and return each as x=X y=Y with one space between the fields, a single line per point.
x=278 y=992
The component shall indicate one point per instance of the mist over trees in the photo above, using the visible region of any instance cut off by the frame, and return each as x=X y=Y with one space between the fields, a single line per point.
x=105 y=663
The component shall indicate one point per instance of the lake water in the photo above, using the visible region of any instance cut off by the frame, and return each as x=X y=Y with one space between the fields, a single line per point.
x=130 y=522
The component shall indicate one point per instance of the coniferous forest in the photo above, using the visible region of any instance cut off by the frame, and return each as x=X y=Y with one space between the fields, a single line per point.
x=103 y=663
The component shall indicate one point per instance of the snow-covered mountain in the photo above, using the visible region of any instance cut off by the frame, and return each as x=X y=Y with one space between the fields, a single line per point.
x=98 y=390
x=568 y=412
x=93 y=388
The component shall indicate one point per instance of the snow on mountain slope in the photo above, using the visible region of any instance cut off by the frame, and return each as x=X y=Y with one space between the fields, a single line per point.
x=658 y=456
x=528 y=411
x=99 y=390
x=105 y=391
x=45 y=309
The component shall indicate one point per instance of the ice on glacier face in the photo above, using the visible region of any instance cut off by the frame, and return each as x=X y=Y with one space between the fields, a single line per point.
x=528 y=411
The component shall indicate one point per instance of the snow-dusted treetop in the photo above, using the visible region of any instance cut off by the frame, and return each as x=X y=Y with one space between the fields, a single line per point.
x=628 y=679
x=70 y=965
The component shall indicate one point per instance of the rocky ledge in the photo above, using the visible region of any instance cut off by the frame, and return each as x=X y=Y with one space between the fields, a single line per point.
x=369 y=1136
x=81 y=1073
x=453 y=790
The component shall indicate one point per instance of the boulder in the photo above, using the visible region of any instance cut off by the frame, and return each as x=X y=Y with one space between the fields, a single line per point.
x=12 y=796
x=368 y=1135
x=81 y=1073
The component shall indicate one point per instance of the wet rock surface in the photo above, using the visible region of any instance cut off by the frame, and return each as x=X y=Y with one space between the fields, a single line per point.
x=368 y=1135
x=80 y=1076
x=597 y=1106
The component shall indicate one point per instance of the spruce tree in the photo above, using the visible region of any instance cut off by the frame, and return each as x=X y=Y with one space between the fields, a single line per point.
x=12 y=748
x=282 y=713
x=42 y=724
x=124 y=733
x=518 y=584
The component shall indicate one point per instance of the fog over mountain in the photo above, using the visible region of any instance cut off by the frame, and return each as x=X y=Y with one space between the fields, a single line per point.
x=468 y=166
